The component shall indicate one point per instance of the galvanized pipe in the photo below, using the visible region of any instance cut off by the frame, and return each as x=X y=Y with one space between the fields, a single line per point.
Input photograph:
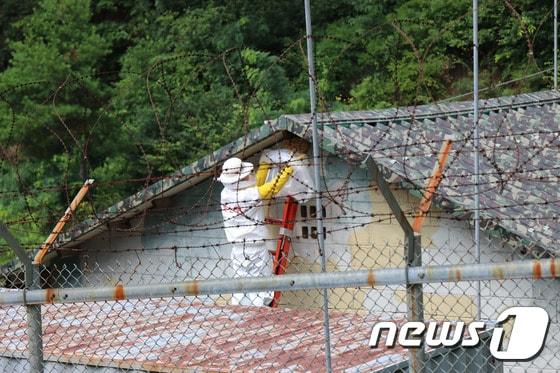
x=413 y=258
x=35 y=338
x=33 y=311
x=528 y=269
x=317 y=177
x=35 y=326
x=20 y=253
x=476 y=151
x=555 y=45
x=415 y=299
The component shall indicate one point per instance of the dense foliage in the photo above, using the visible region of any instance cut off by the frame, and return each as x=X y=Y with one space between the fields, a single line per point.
x=128 y=91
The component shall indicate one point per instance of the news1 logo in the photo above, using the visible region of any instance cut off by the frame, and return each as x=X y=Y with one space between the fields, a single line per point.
x=526 y=339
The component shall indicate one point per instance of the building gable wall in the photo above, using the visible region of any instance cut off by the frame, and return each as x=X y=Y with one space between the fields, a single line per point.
x=181 y=238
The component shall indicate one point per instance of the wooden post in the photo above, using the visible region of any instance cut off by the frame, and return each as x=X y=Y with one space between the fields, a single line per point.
x=433 y=183
x=60 y=225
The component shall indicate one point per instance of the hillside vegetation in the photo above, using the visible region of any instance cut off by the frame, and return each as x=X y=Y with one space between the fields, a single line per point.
x=128 y=91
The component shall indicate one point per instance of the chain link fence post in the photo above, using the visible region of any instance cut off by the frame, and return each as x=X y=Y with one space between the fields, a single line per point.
x=317 y=178
x=34 y=325
x=33 y=311
x=413 y=258
x=414 y=297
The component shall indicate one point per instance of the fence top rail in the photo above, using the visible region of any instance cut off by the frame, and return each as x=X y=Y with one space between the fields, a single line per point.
x=529 y=269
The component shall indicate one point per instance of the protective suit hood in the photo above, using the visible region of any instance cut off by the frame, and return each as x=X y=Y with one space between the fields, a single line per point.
x=242 y=184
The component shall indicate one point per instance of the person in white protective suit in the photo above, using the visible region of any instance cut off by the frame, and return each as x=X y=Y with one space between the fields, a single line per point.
x=300 y=186
x=243 y=210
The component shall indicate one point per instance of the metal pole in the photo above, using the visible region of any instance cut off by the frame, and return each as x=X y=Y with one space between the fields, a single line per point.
x=415 y=299
x=413 y=259
x=35 y=334
x=555 y=45
x=33 y=311
x=520 y=269
x=476 y=153
x=317 y=177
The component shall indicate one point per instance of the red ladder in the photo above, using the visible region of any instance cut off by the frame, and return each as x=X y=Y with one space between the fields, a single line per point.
x=284 y=241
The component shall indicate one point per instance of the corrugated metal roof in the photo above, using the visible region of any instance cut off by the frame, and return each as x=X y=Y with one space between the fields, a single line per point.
x=519 y=164
x=178 y=334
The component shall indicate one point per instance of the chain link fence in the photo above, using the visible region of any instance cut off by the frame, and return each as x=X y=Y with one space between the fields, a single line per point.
x=141 y=311
x=150 y=284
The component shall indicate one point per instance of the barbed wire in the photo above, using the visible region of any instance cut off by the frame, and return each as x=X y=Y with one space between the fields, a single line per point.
x=168 y=226
x=412 y=146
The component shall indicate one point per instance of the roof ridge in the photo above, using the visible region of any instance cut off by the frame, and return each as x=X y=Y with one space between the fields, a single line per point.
x=271 y=132
x=430 y=111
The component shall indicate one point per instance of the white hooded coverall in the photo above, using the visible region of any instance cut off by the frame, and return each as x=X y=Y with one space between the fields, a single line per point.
x=243 y=212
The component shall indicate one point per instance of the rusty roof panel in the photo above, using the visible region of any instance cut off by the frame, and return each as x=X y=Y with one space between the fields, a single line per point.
x=178 y=334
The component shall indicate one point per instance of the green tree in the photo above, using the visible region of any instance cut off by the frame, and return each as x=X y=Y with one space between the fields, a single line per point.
x=191 y=85
x=55 y=128
x=126 y=90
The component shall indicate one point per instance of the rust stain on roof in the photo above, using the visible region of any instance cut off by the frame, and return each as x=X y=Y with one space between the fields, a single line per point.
x=180 y=334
